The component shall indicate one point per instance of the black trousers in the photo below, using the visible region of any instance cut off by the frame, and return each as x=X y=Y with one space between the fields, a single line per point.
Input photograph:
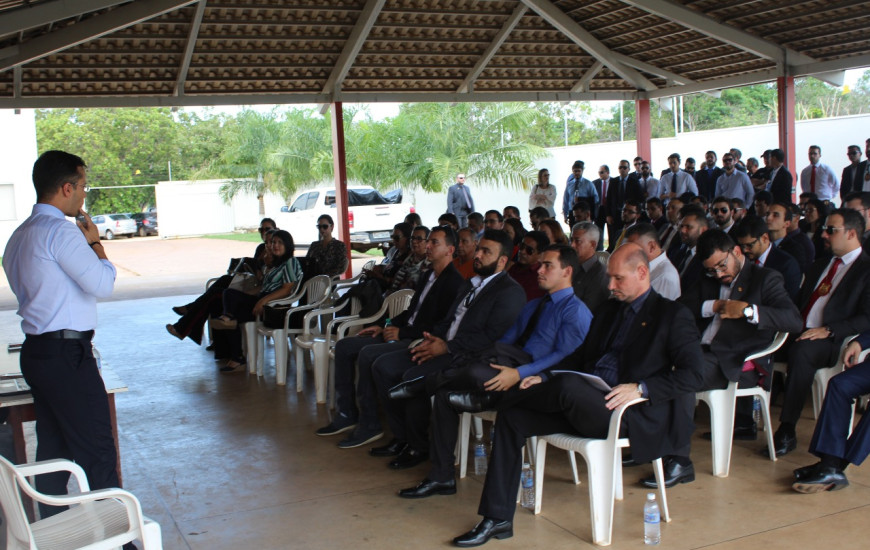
x=564 y=404
x=72 y=413
x=208 y=304
x=805 y=357
x=832 y=429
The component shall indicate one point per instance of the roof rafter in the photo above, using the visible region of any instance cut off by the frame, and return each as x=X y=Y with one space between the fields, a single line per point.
x=47 y=13
x=195 y=24
x=720 y=31
x=89 y=29
x=493 y=47
x=354 y=44
x=583 y=84
x=573 y=30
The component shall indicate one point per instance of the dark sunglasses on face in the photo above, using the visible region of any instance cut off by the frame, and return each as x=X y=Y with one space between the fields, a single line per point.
x=830 y=229
x=722 y=210
x=323 y=226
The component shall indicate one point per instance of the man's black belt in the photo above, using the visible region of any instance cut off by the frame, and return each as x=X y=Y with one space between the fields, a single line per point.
x=65 y=334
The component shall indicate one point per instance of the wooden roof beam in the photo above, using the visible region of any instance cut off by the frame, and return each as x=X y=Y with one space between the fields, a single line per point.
x=195 y=24
x=583 y=84
x=493 y=47
x=47 y=13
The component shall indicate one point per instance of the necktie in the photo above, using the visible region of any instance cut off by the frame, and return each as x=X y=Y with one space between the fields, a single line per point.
x=533 y=322
x=673 y=182
x=467 y=199
x=758 y=262
x=687 y=259
x=621 y=237
x=823 y=288
x=604 y=190
x=813 y=180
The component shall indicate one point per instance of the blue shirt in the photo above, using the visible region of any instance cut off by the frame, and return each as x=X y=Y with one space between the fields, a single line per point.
x=55 y=275
x=608 y=366
x=735 y=186
x=577 y=189
x=561 y=329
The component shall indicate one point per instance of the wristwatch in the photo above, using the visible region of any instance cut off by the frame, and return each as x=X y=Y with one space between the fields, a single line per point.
x=749 y=313
x=640 y=389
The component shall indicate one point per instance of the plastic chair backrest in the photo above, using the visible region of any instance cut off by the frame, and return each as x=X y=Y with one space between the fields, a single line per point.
x=398 y=301
x=603 y=257
x=17 y=526
x=317 y=288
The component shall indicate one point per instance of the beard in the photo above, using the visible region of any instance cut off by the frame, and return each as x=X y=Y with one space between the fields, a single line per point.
x=484 y=270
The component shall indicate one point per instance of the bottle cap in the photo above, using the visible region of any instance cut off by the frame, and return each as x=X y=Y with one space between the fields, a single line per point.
x=650 y=496
x=526 y=465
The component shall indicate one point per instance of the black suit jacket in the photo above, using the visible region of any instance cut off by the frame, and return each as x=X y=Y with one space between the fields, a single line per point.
x=435 y=306
x=663 y=351
x=781 y=186
x=848 y=309
x=707 y=184
x=847 y=185
x=737 y=338
x=788 y=267
x=616 y=197
x=600 y=210
x=491 y=313
x=801 y=249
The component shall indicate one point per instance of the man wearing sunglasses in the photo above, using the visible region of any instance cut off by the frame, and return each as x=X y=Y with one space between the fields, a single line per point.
x=459 y=201
x=853 y=174
x=733 y=183
x=723 y=215
x=835 y=303
x=525 y=269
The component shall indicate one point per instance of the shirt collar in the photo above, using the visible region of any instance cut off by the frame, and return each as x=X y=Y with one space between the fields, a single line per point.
x=850 y=257
x=765 y=254
x=589 y=264
x=48 y=210
x=639 y=301
x=563 y=294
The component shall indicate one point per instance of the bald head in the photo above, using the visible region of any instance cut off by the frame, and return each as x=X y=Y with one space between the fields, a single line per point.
x=628 y=269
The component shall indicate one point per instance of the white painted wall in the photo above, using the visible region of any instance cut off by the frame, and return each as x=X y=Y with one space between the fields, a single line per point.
x=17 y=155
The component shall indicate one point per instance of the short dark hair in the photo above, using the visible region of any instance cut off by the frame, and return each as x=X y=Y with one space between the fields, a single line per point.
x=863 y=196
x=514 y=209
x=421 y=228
x=736 y=152
x=737 y=203
x=712 y=241
x=326 y=217
x=696 y=212
x=403 y=228
x=450 y=236
x=721 y=198
x=789 y=213
x=476 y=216
x=656 y=201
x=715 y=156
x=53 y=169
x=643 y=230
x=567 y=257
x=808 y=195
x=690 y=159
x=498 y=214
x=504 y=241
x=687 y=197
x=633 y=202
x=581 y=206
x=674 y=156
x=270 y=220
x=578 y=164
x=414 y=218
x=765 y=197
x=753 y=226
x=851 y=220
x=539 y=212
x=448 y=217
x=778 y=154
x=811 y=147
x=540 y=238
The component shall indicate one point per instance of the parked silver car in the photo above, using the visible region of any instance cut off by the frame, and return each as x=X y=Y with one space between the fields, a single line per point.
x=111 y=225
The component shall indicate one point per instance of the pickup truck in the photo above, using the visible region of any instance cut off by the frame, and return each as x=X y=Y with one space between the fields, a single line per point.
x=371 y=215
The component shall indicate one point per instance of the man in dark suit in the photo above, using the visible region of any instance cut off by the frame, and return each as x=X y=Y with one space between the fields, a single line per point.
x=601 y=215
x=482 y=312
x=785 y=235
x=781 y=180
x=436 y=290
x=859 y=201
x=754 y=241
x=641 y=345
x=831 y=442
x=707 y=175
x=835 y=304
x=459 y=201
x=738 y=307
x=853 y=175
x=693 y=223
x=622 y=189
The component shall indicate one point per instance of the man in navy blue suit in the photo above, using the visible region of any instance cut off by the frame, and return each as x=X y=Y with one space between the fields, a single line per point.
x=754 y=241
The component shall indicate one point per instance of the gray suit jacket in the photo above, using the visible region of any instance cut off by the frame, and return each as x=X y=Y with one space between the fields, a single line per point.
x=456 y=203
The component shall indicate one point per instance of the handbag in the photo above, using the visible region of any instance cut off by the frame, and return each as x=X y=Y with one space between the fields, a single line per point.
x=245 y=282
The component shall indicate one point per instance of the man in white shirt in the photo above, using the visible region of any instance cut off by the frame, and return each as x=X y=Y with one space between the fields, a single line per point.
x=663 y=276
x=676 y=182
x=651 y=186
x=818 y=178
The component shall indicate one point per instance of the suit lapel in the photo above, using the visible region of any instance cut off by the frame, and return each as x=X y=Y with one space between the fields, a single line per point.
x=642 y=321
x=741 y=286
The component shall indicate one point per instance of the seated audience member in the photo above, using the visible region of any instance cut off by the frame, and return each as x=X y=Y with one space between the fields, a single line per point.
x=660 y=363
x=812 y=226
x=449 y=219
x=630 y=217
x=465 y=248
x=414 y=219
x=723 y=215
x=785 y=235
x=590 y=281
x=511 y=212
x=669 y=235
x=835 y=303
x=547 y=330
x=738 y=207
x=655 y=211
x=701 y=202
x=831 y=441
x=525 y=270
x=761 y=204
x=536 y=215
x=238 y=307
x=436 y=290
x=859 y=201
x=553 y=230
x=582 y=211
x=475 y=222
x=804 y=198
x=409 y=272
x=394 y=258
x=738 y=308
x=755 y=243
x=326 y=256
x=693 y=223
x=481 y=313
x=544 y=193
x=515 y=230
x=493 y=220
x=664 y=278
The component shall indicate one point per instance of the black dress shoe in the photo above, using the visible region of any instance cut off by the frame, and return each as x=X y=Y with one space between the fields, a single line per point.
x=825 y=478
x=674 y=473
x=409 y=388
x=408 y=458
x=782 y=444
x=393 y=448
x=806 y=471
x=483 y=531
x=427 y=488
x=472 y=402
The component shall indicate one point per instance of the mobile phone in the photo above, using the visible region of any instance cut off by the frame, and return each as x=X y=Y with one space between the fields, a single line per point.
x=82 y=219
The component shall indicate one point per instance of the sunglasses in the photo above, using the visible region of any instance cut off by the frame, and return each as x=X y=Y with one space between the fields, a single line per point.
x=417 y=238
x=830 y=229
x=721 y=210
x=323 y=226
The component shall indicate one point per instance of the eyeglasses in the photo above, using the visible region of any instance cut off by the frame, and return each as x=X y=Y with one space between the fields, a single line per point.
x=723 y=210
x=749 y=245
x=86 y=188
x=417 y=238
x=623 y=167
x=323 y=226
x=830 y=229
x=601 y=173
x=727 y=159
x=529 y=250
x=721 y=267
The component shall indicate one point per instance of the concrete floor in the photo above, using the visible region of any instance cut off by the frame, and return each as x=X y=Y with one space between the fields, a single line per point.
x=231 y=461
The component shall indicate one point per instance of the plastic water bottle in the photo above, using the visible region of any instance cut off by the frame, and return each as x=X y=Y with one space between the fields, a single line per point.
x=756 y=410
x=388 y=323
x=528 y=482
x=652 y=529
x=480 y=458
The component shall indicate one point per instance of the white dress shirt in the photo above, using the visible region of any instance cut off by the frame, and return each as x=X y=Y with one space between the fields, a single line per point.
x=815 y=317
x=827 y=184
x=663 y=277
x=477 y=285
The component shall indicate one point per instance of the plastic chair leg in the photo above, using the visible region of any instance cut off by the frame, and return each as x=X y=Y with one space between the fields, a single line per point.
x=722 y=428
x=541 y=454
x=659 y=470
x=464 y=434
x=768 y=426
x=321 y=365
x=601 y=493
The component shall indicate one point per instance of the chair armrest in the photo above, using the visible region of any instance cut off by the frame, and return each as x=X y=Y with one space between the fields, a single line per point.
x=210 y=282
x=616 y=417
x=778 y=340
x=56 y=465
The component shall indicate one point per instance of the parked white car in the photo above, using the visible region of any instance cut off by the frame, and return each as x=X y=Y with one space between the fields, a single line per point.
x=112 y=225
x=371 y=215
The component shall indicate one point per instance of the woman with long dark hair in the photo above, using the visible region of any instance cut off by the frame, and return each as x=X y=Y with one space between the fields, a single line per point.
x=326 y=256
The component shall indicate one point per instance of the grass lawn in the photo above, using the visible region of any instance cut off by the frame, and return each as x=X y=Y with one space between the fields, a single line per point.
x=247 y=237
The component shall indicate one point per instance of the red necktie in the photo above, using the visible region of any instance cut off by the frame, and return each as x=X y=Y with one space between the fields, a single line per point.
x=813 y=180
x=824 y=287
x=604 y=191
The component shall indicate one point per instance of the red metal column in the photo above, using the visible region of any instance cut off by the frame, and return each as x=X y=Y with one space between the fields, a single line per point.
x=644 y=129
x=339 y=163
x=785 y=119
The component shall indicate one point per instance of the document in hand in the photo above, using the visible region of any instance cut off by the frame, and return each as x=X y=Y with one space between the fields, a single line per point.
x=595 y=381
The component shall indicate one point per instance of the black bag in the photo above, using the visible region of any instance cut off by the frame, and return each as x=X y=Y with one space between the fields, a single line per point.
x=273 y=317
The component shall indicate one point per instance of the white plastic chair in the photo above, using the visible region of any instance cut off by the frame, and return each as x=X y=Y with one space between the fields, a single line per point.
x=604 y=463
x=823 y=376
x=464 y=440
x=96 y=520
x=722 y=405
x=317 y=290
